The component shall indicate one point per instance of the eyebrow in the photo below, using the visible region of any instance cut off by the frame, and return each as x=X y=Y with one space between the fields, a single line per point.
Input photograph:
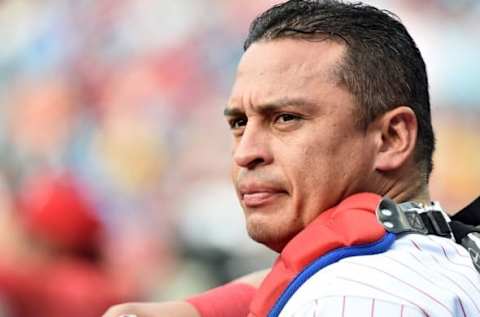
x=271 y=106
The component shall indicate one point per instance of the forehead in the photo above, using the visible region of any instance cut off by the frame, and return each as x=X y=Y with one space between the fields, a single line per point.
x=293 y=67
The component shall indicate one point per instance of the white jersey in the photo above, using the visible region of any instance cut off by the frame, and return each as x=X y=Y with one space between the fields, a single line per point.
x=419 y=276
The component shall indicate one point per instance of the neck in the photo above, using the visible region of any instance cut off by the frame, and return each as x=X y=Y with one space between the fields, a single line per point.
x=420 y=195
x=404 y=187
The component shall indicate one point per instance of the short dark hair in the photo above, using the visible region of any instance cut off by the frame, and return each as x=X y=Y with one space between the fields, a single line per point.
x=382 y=67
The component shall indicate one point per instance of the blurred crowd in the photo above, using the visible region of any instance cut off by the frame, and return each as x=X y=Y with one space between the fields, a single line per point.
x=114 y=154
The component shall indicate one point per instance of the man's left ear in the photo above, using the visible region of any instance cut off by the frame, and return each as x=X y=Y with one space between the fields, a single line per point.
x=396 y=137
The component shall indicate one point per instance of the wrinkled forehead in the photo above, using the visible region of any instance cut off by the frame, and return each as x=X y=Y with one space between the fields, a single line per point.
x=287 y=67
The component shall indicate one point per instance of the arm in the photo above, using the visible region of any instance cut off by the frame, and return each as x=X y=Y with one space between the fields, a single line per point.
x=173 y=308
x=231 y=299
x=254 y=279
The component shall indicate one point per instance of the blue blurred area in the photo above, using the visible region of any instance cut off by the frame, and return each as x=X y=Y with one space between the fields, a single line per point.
x=126 y=98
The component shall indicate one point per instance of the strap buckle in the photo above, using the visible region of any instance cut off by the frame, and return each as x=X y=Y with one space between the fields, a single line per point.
x=413 y=217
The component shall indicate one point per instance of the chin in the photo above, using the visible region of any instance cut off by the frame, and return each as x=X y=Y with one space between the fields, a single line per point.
x=273 y=235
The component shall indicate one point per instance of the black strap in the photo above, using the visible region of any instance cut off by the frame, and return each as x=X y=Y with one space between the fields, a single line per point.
x=436 y=223
x=461 y=230
x=469 y=215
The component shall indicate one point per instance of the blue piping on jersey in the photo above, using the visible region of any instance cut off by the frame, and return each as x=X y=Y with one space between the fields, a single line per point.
x=331 y=257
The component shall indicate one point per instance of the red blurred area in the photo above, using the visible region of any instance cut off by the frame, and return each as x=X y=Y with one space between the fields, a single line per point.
x=63 y=269
x=54 y=209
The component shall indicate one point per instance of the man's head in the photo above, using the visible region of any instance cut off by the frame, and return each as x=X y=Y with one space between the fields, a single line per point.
x=330 y=99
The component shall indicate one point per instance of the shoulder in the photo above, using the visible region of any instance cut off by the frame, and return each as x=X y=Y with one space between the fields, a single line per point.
x=419 y=273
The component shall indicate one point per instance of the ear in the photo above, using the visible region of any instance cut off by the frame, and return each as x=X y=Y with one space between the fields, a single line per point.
x=396 y=138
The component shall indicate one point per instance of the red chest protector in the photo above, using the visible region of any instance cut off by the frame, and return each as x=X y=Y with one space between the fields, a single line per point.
x=350 y=224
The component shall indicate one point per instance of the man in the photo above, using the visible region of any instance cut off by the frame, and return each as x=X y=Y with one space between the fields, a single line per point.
x=330 y=111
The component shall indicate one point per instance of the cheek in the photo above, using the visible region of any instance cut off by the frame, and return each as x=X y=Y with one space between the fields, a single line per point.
x=317 y=156
x=321 y=169
x=234 y=170
x=308 y=169
x=313 y=184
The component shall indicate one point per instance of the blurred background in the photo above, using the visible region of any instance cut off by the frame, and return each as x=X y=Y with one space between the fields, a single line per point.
x=114 y=153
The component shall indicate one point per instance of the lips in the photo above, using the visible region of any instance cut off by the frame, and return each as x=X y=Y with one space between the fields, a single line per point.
x=256 y=195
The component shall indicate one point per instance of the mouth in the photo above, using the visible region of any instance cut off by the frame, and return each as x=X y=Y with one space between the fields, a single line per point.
x=254 y=196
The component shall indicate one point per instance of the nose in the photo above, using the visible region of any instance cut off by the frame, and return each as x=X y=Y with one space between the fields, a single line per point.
x=253 y=148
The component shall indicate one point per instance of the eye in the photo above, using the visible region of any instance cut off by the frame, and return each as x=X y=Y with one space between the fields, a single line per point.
x=286 y=117
x=237 y=123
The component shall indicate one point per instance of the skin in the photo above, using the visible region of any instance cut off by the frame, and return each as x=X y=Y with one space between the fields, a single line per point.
x=173 y=309
x=297 y=150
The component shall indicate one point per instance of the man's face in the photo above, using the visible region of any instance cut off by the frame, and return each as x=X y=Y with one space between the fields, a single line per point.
x=297 y=150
